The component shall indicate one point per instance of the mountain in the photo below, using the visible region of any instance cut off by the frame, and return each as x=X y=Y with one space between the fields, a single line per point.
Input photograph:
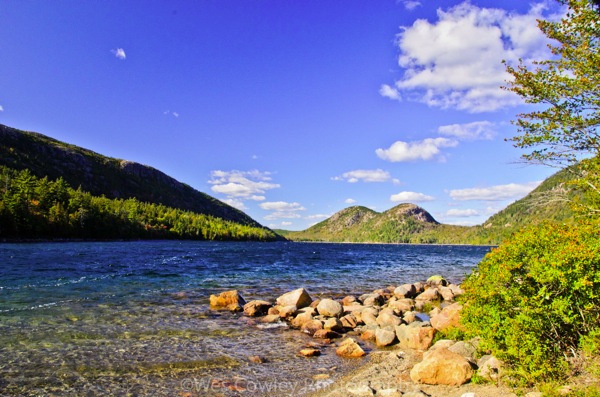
x=409 y=223
x=110 y=177
x=405 y=223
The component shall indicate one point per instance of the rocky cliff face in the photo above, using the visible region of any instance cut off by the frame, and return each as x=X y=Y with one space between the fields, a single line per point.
x=101 y=175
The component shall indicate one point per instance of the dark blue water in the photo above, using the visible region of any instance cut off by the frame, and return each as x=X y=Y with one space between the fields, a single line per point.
x=133 y=317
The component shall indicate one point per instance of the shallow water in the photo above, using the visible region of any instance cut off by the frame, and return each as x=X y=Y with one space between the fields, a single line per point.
x=133 y=318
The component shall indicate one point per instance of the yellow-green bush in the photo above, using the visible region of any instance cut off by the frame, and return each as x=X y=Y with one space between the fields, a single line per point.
x=536 y=298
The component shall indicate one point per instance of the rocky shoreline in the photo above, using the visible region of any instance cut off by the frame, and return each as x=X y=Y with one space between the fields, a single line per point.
x=395 y=327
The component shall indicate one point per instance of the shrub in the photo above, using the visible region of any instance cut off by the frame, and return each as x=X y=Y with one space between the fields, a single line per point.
x=535 y=299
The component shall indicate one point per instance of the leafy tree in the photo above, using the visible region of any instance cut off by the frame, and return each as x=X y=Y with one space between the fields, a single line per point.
x=567 y=129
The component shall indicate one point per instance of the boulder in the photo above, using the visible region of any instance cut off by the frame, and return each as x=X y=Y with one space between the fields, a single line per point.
x=256 y=308
x=311 y=326
x=456 y=290
x=405 y=291
x=326 y=334
x=369 y=318
x=409 y=317
x=419 y=286
x=416 y=335
x=442 y=367
x=349 y=321
x=303 y=316
x=447 y=318
x=230 y=300
x=371 y=299
x=465 y=349
x=446 y=293
x=385 y=336
x=349 y=300
x=402 y=305
x=490 y=368
x=442 y=343
x=430 y=294
x=386 y=318
x=437 y=281
x=287 y=311
x=309 y=352
x=270 y=318
x=299 y=298
x=333 y=324
x=350 y=349
x=330 y=308
x=368 y=332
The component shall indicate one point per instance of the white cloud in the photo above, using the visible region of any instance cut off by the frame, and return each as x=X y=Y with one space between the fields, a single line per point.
x=282 y=209
x=317 y=217
x=410 y=197
x=174 y=114
x=389 y=92
x=1 y=108
x=284 y=223
x=456 y=61
x=462 y=213
x=512 y=191
x=242 y=185
x=236 y=203
x=411 y=4
x=119 y=53
x=377 y=175
x=426 y=149
x=349 y=201
x=469 y=131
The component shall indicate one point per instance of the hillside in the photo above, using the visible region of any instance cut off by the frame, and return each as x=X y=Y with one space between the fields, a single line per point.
x=408 y=223
x=405 y=223
x=101 y=175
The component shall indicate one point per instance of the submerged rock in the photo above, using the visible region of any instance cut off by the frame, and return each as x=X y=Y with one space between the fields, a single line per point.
x=230 y=300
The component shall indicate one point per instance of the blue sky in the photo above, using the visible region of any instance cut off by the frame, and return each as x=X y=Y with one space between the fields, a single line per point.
x=288 y=110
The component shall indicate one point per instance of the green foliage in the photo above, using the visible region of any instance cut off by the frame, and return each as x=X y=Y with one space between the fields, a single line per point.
x=38 y=208
x=534 y=299
x=568 y=84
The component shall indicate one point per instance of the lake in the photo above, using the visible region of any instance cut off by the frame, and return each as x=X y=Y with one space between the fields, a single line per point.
x=119 y=318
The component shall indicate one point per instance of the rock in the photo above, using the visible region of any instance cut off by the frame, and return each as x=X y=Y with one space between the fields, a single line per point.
x=369 y=318
x=446 y=293
x=321 y=376
x=415 y=394
x=333 y=324
x=490 y=368
x=315 y=303
x=534 y=394
x=369 y=333
x=385 y=336
x=442 y=367
x=273 y=310
x=349 y=321
x=371 y=299
x=326 y=334
x=386 y=318
x=430 y=294
x=350 y=349
x=437 y=281
x=389 y=393
x=230 y=300
x=447 y=318
x=312 y=326
x=257 y=359
x=270 y=318
x=409 y=317
x=363 y=390
x=419 y=287
x=349 y=300
x=456 y=290
x=299 y=298
x=417 y=335
x=442 y=343
x=405 y=291
x=309 y=352
x=256 y=308
x=303 y=316
x=402 y=305
x=287 y=311
x=465 y=349
x=434 y=312
x=330 y=308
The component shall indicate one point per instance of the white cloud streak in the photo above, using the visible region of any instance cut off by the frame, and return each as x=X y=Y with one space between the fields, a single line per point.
x=242 y=185
x=469 y=131
x=282 y=210
x=410 y=197
x=349 y=201
x=426 y=149
x=411 y=4
x=377 y=175
x=457 y=213
x=119 y=53
x=511 y=191
x=456 y=61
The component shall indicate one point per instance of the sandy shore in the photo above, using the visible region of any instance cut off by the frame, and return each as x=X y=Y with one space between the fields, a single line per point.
x=385 y=370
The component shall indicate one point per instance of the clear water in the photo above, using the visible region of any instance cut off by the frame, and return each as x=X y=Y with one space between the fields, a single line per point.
x=132 y=318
